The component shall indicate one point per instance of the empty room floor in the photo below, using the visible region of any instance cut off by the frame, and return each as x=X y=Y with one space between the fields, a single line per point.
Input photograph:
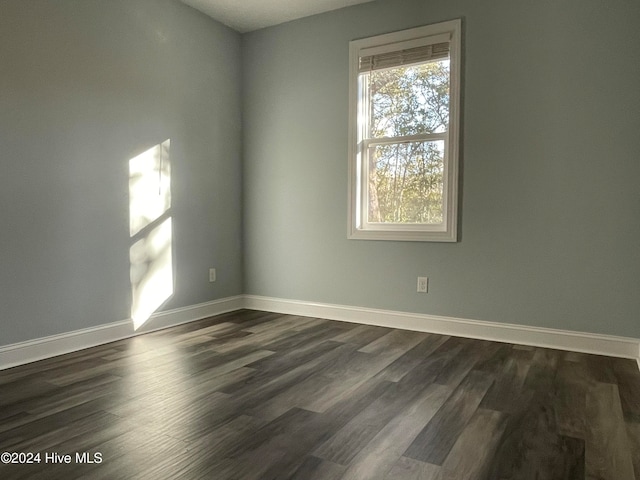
x=255 y=395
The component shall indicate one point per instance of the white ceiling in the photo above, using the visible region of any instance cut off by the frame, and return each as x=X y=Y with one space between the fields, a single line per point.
x=247 y=15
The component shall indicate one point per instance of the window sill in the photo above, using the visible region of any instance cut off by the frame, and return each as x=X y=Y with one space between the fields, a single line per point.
x=403 y=236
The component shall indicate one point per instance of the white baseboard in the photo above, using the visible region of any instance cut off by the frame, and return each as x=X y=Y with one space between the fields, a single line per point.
x=500 y=332
x=41 y=348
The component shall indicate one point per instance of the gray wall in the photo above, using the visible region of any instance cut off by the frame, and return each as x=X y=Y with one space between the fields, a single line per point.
x=550 y=227
x=550 y=207
x=85 y=85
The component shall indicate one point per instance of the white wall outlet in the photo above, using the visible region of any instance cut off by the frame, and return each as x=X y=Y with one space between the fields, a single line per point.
x=423 y=284
x=212 y=275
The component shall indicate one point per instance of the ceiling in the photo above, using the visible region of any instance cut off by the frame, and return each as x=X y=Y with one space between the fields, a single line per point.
x=247 y=15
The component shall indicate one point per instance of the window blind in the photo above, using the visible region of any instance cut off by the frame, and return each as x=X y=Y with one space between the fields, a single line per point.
x=405 y=56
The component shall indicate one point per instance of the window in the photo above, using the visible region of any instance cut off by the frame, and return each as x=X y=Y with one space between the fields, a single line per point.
x=403 y=143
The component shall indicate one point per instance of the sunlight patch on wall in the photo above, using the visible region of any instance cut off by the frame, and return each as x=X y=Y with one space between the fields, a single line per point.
x=150 y=228
x=149 y=186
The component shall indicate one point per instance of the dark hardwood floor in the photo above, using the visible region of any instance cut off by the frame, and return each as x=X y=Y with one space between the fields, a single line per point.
x=254 y=395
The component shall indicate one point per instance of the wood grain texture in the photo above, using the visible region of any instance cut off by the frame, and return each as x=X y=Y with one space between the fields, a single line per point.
x=254 y=395
x=471 y=454
x=633 y=434
x=380 y=455
x=314 y=468
x=434 y=442
x=409 y=469
x=607 y=443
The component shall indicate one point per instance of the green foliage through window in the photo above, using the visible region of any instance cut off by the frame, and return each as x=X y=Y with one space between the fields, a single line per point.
x=406 y=178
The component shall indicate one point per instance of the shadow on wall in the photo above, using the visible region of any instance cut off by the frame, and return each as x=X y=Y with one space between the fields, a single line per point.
x=150 y=230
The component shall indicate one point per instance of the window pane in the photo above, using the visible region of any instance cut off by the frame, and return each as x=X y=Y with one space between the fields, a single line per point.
x=406 y=183
x=409 y=100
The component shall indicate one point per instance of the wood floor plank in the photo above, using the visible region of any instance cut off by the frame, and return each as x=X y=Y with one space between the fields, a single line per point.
x=294 y=322
x=296 y=396
x=43 y=369
x=543 y=369
x=572 y=384
x=359 y=399
x=115 y=442
x=412 y=358
x=305 y=351
x=281 y=444
x=411 y=469
x=601 y=368
x=385 y=449
x=312 y=335
x=180 y=416
x=129 y=452
x=364 y=364
x=278 y=331
x=219 y=364
x=47 y=440
x=508 y=384
x=222 y=440
x=175 y=459
x=350 y=439
x=475 y=354
x=17 y=393
x=531 y=446
x=472 y=453
x=314 y=468
x=33 y=426
x=394 y=343
x=274 y=384
x=204 y=456
x=633 y=435
x=349 y=375
x=628 y=381
x=74 y=394
x=608 y=453
x=435 y=441
x=430 y=367
x=361 y=334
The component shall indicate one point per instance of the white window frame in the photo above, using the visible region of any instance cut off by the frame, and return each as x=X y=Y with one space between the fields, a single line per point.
x=358 y=183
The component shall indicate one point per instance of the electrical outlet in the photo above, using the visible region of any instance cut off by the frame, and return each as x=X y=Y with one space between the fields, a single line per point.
x=212 y=275
x=423 y=284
